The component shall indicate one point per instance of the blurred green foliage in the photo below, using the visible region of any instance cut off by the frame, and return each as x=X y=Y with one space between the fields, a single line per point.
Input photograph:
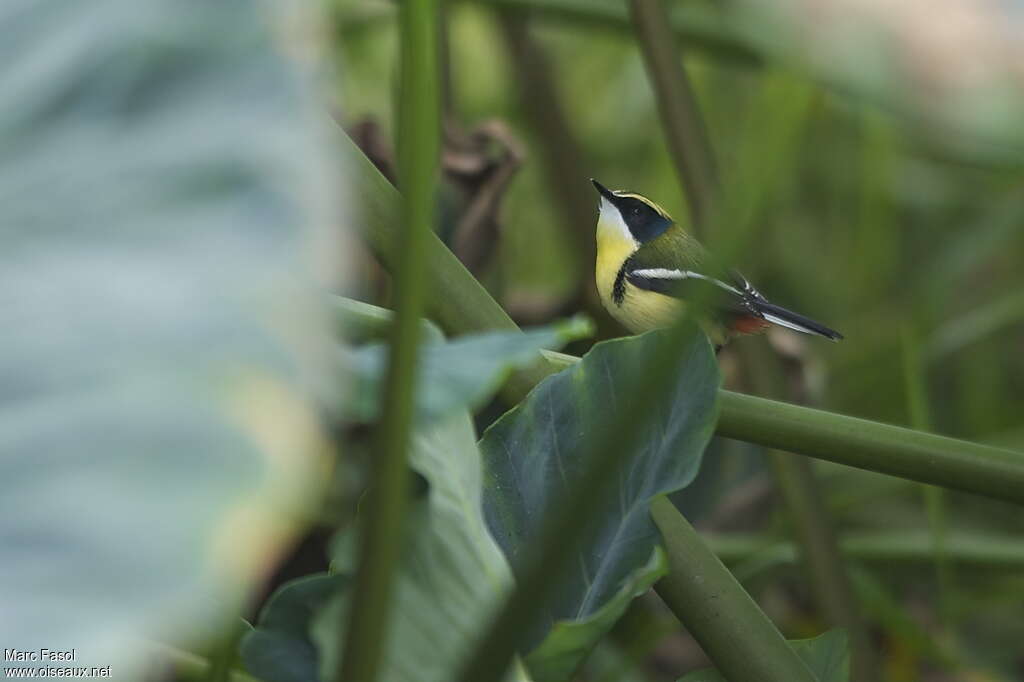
x=876 y=228
x=159 y=444
x=878 y=225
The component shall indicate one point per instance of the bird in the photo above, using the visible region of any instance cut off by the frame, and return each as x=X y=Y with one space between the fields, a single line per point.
x=648 y=267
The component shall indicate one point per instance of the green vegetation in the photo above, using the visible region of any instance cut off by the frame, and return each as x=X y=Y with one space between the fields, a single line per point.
x=426 y=454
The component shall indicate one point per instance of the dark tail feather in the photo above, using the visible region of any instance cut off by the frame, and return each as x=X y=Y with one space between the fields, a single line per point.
x=787 y=318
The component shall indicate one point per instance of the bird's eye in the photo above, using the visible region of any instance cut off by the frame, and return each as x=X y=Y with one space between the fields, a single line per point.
x=636 y=210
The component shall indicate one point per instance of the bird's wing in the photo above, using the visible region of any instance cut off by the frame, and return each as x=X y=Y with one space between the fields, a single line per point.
x=732 y=298
x=692 y=286
x=676 y=265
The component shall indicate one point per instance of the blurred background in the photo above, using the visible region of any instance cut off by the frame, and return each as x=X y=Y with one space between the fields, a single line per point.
x=893 y=211
x=175 y=203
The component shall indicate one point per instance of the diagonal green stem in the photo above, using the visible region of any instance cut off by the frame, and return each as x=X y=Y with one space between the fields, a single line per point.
x=560 y=154
x=380 y=533
x=680 y=116
x=716 y=609
x=455 y=300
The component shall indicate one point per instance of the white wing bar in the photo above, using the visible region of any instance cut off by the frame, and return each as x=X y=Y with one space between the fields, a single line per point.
x=666 y=273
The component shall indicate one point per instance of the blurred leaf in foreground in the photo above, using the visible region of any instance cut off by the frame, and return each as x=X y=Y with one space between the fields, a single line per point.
x=158 y=441
x=453 y=375
x=452 y=575
x=281 y=648
x=533 y=452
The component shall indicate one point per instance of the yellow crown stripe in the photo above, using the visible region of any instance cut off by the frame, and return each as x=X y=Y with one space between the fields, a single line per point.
x=630 y=195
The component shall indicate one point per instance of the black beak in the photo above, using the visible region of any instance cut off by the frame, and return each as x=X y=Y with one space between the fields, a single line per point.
x=604 y=191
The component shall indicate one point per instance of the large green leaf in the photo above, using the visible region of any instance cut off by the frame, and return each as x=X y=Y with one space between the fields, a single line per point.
x=281 y=648
x=452 y=375
x=535 y=451
x=826 y=655
x=451 y=575
x=156 y=440
x=570 y=641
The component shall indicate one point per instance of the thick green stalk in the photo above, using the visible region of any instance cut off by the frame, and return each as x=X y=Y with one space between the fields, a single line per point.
x=990 y=551
x=684 y=127
x=455 y=299
x=384 y=507
x=560 y=155
x=459 y=304
x=873 y=446
x=735 y=634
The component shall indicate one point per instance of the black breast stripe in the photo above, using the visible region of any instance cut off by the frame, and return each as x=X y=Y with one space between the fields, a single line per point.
x=619 y=288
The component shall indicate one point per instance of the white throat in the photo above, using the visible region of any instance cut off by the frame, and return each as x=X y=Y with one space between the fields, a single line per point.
x=610 y=225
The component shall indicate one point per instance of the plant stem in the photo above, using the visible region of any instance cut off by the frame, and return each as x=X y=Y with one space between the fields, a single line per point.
x=680 y=116
x=717 y=611
x=873 y=446
x=560 y=156
x=934 y=498
x=380 y=532
x=991 y=551
x=455 y=299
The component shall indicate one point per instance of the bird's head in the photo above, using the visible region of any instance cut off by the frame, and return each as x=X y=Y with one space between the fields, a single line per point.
x=630 y=215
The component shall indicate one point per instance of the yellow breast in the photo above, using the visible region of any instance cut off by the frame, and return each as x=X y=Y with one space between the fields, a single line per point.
x=639 y=310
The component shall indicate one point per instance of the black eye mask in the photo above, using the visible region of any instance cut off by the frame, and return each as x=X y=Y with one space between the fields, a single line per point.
x=643 y=221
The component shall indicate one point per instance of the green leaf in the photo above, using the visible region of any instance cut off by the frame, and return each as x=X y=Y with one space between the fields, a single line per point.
x=453 y=375
x=609 y=662
x=534 y=450
x=158 y=444
x=280 y=647
x=826 y=655
x=452 y=574
x=569 y=642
